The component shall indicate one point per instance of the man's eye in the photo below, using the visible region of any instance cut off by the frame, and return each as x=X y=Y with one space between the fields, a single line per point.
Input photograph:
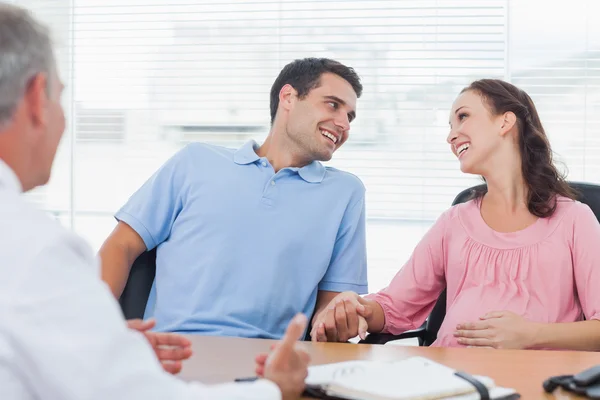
x=333 y=104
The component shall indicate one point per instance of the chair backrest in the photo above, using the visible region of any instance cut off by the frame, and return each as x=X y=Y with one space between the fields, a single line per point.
x=135 y=295
x=587 y=193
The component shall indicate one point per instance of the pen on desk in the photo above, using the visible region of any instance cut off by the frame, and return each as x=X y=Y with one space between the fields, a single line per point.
x=247 y=379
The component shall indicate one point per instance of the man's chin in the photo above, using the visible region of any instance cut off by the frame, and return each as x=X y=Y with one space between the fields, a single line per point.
x=324 y=157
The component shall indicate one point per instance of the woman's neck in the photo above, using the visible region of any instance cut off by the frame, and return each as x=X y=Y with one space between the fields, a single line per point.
x=509 y=195
x=504 y=207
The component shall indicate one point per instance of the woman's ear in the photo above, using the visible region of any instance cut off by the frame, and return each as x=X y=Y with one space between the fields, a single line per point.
x=509 y=119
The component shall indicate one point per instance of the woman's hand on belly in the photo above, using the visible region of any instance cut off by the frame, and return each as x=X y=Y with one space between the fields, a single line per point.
x=498 y=329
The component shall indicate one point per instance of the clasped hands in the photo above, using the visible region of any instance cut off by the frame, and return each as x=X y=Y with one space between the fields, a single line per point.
x=349 y=315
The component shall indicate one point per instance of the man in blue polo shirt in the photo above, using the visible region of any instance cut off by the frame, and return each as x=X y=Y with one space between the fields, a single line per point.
x=247 y=238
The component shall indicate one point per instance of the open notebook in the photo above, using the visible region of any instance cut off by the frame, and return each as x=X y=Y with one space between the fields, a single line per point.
x=415 y=378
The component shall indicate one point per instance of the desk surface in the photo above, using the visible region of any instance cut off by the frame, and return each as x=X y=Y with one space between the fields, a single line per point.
x=221 y=359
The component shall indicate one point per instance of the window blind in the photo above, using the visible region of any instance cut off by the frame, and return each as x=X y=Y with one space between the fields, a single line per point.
x=145 y=77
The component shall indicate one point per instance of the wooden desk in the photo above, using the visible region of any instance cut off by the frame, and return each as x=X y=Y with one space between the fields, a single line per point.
x=221 y=359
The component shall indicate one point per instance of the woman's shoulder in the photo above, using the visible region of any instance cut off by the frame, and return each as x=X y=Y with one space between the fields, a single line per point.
x=569 y=216
x=467 y=209
x=457 y=215
x=570 y=208
x=574 y=219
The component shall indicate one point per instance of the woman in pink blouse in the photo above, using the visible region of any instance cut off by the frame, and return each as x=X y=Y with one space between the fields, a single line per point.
x=521 y=262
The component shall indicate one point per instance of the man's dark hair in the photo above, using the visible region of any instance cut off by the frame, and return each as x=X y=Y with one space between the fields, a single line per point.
x=305 y=75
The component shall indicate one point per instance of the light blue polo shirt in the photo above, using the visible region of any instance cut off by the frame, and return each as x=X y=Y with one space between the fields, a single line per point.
x=242 y=249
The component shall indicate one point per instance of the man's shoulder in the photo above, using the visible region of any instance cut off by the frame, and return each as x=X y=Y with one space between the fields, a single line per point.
x=22 y=216
x=39 y=255
x=28 y=231
x=195 y=149
x=345 y=179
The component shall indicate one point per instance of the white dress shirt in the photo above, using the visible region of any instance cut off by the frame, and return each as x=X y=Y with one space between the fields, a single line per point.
x=62 y=334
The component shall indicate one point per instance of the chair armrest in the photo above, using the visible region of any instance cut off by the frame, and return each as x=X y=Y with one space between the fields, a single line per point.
x=383 y=338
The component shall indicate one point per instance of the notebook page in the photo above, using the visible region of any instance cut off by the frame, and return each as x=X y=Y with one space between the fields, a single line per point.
x=324 y=374
x=413 y=378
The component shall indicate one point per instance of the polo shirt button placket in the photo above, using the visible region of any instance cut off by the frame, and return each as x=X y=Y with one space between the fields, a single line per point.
x=268 y=194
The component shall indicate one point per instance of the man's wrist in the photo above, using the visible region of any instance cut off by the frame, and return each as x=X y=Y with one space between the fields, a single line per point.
x=316 y=316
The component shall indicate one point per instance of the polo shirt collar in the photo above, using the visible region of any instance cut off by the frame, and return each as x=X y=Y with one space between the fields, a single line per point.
x=311 y=173
x=246 y=154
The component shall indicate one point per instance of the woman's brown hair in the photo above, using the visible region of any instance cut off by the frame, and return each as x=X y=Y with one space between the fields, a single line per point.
x=544 y=181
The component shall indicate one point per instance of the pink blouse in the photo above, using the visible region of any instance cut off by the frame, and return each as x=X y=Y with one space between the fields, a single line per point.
x=547 y=272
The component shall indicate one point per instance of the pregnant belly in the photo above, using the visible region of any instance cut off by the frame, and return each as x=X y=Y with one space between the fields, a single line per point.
x=474 y=302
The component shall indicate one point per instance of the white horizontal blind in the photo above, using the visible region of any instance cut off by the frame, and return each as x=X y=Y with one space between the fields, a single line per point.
x=149 y=76
x=560 y=69
x=163 y=73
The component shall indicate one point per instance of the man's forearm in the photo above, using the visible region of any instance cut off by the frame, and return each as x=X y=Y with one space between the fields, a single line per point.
x=115 y=267
x=317 y=313
x=582 y=335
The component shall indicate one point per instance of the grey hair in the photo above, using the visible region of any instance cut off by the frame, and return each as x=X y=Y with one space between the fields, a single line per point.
x=25 y=51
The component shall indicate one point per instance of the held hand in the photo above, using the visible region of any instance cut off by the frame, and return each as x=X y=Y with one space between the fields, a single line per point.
x=345 y=317
x=286 y=365
x=499 y=330
x=170 y=348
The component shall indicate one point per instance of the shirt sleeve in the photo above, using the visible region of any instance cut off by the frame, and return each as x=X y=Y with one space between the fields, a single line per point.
x=348 y=266
x=153 y=208
x=64 y=338
x=586 y=260
x=410 y=297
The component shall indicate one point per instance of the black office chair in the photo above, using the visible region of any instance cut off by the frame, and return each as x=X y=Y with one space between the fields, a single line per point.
x=587 y=193
x=135 y=295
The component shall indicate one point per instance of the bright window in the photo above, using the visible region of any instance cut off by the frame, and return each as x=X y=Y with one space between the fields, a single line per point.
x=144 y=77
